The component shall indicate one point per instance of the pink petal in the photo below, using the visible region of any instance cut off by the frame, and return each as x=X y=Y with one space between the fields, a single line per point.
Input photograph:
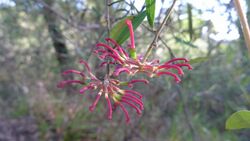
x=133 y=92
x=117 y=58
x=109 y=107
x=177 y=79
x=134 y=97
x=131 y=31
x=186 y=65
x=85 y=64
x=148 y=72
x=109 y=48
x=125 y=112
x=132 y=105
x=120 y=49
x=92 y=107
x=120 y=70
x=139 y=80
x=166 y=66
x=88 y=69
x=176 y=59
x=103 y=56
x=133 y=62
x=148 y=68
x=115 y=81
x=137 y=101
x=112 y=41
x=73 y=71
x=100 y=51
x=82 y=90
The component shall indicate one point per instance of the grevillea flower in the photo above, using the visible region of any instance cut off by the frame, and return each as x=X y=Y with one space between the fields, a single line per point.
x=131 y=64
x=110 y=89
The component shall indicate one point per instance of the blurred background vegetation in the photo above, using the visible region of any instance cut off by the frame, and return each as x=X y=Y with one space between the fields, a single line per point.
x=40 y=38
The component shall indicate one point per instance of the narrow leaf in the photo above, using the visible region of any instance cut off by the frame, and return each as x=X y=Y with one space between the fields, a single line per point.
x=120 y=32
x=150 y=9
x=181 y=41
x=239 y=120
x=190 y=21
x=198 y=60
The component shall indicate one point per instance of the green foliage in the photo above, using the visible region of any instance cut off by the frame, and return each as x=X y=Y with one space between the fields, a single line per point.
x=184 y=42
x=190 y=21
x=150 y=9
x=239 y=120
x=120 y=31
x=198 y=60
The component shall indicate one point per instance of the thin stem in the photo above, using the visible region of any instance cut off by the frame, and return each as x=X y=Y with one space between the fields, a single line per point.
x=169 y=49
x=164 y=43
x=110 y=4
x=107 y=2
x=107 y=17
x=157 y=35
x=244 y=24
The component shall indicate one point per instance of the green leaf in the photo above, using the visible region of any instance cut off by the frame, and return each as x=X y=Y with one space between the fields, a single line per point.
x=181 y=41
x=150 y=9
x=190 y=21
x=198 y=60
x=239 y=120
x=120 y=32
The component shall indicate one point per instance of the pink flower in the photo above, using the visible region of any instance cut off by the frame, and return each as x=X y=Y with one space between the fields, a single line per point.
x=131 y=64
x=110 y=89
x=124 y=62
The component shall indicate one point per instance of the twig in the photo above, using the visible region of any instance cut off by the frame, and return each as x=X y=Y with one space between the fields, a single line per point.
x=149 y=29
x=157 y=35
x=107 y=17
x=169 y=49
x=164 y=43
x=244 y=24
x=112 y=3
x=108 y=32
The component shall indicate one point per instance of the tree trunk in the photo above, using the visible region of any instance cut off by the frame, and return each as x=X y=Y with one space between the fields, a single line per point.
x=57 y=39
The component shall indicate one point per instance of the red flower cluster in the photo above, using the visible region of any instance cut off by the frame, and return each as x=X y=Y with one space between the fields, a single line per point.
x=110 y=89
x=133 y=64
x=124 y=62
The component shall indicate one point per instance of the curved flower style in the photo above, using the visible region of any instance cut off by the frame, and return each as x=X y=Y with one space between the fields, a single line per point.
x=131 y=64
x=110 y=89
